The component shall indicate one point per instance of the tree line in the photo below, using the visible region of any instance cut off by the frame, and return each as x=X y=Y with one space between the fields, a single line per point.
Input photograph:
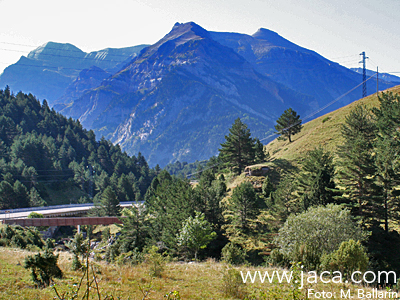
x=41 y=150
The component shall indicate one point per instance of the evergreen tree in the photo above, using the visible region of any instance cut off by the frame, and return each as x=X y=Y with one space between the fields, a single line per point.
x=134 y=231
x=238 y=150
x=244 y=205
x=315 y=181
x=169 y=202
x=387 y=154
x=109 y=203
x=288 y=124
x=356 y=167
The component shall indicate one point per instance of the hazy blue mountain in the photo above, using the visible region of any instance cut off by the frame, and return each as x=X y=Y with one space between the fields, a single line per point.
x=298 y=68
x=177 y=99
x=383 y=76
x=48 y=70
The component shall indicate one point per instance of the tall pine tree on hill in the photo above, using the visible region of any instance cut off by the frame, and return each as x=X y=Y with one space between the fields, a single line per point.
x=288 y=124
x=356 y=167
x=238 y=151
x=387 y=149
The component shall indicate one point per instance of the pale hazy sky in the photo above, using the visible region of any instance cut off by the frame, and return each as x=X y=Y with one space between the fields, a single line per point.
x=337 y=29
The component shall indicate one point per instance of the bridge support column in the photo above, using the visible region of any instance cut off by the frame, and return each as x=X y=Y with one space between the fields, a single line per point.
x=79 y=228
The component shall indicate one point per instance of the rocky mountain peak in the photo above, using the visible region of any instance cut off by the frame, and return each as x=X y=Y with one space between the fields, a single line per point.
x=50 y=50
x=274 y=39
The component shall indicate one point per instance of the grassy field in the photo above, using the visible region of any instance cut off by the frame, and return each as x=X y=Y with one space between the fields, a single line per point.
x=323 y=131
x=203 y=280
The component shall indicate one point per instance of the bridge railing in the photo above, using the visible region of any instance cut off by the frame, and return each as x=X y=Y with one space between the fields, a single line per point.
x=16 y=210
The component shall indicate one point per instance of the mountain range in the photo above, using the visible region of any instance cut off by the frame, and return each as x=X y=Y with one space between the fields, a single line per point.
x=176 y=99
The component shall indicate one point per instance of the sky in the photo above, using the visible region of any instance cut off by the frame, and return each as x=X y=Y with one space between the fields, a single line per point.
x=338 y=30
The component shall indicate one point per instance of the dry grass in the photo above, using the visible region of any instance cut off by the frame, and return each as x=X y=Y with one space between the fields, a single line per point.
x=323 y=131
x=192 y=281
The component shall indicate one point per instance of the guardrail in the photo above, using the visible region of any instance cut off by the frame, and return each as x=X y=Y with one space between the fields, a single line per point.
x=16 y=210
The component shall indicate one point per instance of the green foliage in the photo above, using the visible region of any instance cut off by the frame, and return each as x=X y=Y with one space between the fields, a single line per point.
x=43 y=268
x=20 y=237
x=109 y=203
x=196 y=233
x=35 y=215
x=78 y=246
x=135 y=229
x=288 y=124
x=155 y=261
x=356 y=167
x=315 y=181
x=233 y=254
x=239 y=149
x=169 y=201
x=350 y=257
x=42 y=149
x=320 y=230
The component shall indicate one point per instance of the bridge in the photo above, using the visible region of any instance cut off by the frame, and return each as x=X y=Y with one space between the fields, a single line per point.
x=73 y=221
x=52 y=211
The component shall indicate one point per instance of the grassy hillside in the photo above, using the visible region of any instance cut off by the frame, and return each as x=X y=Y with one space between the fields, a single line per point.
x=324 y=131
x=192 y=280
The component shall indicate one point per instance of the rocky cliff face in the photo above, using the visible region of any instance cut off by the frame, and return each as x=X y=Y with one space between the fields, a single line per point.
x=178 y=98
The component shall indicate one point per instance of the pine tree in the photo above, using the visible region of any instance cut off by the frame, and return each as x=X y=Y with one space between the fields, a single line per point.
x=315 y=181
x=109 y=202
x=387 y=150
x=238 y=150
x=288 y=124
x=356 y=166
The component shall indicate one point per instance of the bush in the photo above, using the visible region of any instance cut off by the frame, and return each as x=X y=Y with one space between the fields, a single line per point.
x=43 y=267
x=320 y=230
x=156 y=261
x=233 y=254
x=350 y=257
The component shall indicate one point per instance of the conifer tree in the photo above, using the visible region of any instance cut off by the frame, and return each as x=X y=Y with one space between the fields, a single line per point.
x=109 y=202
x=315 y=181
x=288 y=124
x=387 y=154
x=238 y=150
x=356 y=166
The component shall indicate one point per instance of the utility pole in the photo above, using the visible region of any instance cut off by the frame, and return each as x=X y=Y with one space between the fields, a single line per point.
x=364 y=74
x=377 y=80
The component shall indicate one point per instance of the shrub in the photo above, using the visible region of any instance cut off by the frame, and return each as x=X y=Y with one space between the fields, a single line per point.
x=43 y=267
x=320 y=230
x=350 y=257
x=233 y=254
x=156 y=261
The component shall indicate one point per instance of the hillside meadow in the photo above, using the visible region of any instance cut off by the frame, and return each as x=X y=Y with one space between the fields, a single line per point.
x=323 y=131
x=203 y=280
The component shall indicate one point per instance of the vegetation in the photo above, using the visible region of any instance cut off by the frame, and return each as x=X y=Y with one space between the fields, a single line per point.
x=288 y=124
x=42 y=151
x=239 y=149
x=329 y=209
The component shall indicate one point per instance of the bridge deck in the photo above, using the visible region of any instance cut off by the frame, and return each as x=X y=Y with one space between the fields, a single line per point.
x=73 y=221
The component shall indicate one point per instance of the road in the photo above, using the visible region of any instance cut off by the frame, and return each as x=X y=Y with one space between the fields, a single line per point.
x=51 y=211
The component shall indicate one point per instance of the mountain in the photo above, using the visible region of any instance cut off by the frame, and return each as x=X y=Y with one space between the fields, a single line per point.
x=178 y=97
x=298 y=68
x=383 y=76
x=48 y=70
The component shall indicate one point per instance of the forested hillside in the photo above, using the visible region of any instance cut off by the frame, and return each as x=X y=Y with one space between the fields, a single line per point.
x=46 y=158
